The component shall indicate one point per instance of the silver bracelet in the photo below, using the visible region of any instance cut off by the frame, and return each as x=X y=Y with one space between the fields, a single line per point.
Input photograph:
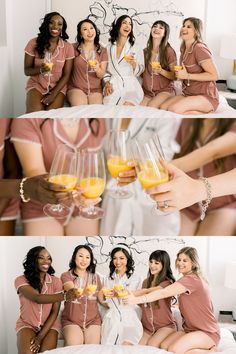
x=205 y=203
x=22 y=193
x=64 y=296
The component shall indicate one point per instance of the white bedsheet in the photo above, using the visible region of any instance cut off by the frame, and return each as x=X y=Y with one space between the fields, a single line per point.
x=227 y=345
x=102 y=111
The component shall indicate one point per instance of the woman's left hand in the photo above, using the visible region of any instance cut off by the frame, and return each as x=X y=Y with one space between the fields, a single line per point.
x=48 y=99
x=35 y=344
x=130 y=299
x=182 y=74
x=80 y=201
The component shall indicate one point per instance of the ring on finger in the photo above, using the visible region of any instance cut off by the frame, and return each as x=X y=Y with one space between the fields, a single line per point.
x=165 y=204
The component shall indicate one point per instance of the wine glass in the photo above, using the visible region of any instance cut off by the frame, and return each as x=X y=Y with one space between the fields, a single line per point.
x=79 y=285
x=119 y=155
x=62 y=172
x=155 y=63
x=92 y=61
x=150 y=170
x=108 y=286
x=91 y=286
x=48 y=62
x=92 y=177
x=129 y=56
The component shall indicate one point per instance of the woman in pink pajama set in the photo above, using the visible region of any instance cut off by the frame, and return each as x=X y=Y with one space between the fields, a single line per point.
x=200 y=329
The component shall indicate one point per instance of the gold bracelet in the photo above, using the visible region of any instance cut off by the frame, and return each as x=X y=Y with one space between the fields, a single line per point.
x=22 y=193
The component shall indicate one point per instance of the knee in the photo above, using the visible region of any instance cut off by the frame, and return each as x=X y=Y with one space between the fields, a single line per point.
x=163 y=345
x=173 y=348
x=175 y=108
x=163 y=106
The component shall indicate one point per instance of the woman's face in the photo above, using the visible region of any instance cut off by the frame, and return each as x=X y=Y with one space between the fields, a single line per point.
x=155 y=266
x=55 y=26
x=126 y=27
x=82 y=259
x=187 y=31
x=120 y=262
x=44 y=261
x=87 y=32
x=184 y=264
x=158 y=31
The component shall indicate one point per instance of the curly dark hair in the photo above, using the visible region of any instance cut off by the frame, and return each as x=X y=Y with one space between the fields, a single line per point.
x=115 y=28
x=44 y=34
x=163 y=45
x=92 y=266
x=130 y=261
x=79 y=38
x=31 y=271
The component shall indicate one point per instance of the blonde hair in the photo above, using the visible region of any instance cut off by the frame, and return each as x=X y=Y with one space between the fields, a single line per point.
x=191 y=252
x=198 y=27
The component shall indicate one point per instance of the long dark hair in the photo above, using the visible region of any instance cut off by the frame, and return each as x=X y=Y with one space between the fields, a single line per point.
x=130 y=261
x=44 y=34
x=115 y=28
x=92 y=266
x=163 y=45
x=79 y=38
x=31 y=271
x=222 y=125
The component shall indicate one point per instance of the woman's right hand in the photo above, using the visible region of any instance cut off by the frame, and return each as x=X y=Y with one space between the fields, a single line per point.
x=72 y=294
x=108 y=89
x=127 y=177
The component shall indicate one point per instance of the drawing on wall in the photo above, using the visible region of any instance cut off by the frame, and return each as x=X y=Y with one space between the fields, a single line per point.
x=144 y=14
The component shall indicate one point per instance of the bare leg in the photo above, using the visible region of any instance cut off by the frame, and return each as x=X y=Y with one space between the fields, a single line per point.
x=95 y=98
x=166 y=343
x=79 y=226
x=188 y=227
x=7 y=227
x=159 y=99
x=144 y=339
x=57 y=103
x=191 y=103
x=92 y=335
x=167 y=103
x=33 y=101
x=43 y=227
x=24 y=337
x=193 y=340
x=219 y=222
x=145 y=101
x=50 y=341
x=159 y=336
x=73 y=335
x=77 y=97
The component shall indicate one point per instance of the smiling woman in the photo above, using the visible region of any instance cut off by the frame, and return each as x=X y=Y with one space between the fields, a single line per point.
x=48 y=62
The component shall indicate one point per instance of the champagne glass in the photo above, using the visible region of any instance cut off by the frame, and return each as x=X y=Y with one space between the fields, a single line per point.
x=79 y=286
x=62 y=172
x=92 y=286
x=150 y=170
x=155 y=63
x=48 y=63
x=92 y=177
x=117 y=160
x=118 y=286
x=92 y=61
x=129 y=56
x=107 y=289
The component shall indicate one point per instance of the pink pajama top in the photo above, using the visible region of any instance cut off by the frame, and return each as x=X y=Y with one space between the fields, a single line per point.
x=154 y=84
x=81 y=76
x=33 y=315
x=208 y=170
x=83 y=311
x=199 y=53
x=12 y=210
x=158 y=316
x=48 y=134
x=47 y=81
x=196 y=307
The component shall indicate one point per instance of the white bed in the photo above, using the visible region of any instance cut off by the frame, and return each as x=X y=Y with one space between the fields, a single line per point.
x=102 y=111
x=227 y=346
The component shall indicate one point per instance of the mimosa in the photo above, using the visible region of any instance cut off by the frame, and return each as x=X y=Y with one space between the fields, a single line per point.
x=116 y=165
x=68 y=180
x=155 y=64
x=118 y=287
x=122 y=293
x=92 y=62
x=106 y=292
x=91 y=288
x=94 y=185
x=149 y=178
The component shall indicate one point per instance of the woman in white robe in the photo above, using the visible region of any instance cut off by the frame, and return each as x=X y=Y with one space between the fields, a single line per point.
x=121 y=324
x=125 y=65
x=136 y=215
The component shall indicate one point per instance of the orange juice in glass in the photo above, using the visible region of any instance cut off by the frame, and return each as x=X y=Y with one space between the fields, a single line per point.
x=79 y=291
x=155 y=64
x=95 y=187
x=116 y=164
x=128 y=57
x=123 y=293
x=118 y=287
x=107 y=292
x=150 y=178
x=69 y=181
x=91 y=288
